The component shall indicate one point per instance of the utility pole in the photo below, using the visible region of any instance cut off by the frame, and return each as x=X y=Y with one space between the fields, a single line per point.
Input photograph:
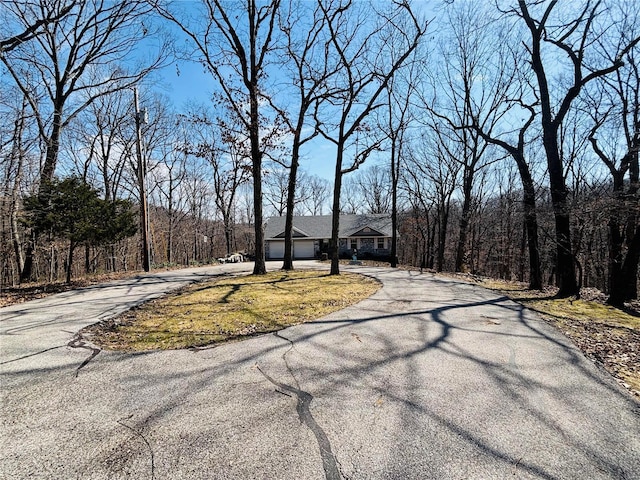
x=140 y=117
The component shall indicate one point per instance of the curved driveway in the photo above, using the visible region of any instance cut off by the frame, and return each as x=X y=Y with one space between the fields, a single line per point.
x=428 y=378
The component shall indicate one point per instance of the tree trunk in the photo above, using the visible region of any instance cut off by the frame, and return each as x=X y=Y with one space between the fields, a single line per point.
x=616 y=289
x=461 y=261
x=431 y=244
x=53 y=146
x=70 y=260
x=170 y=241
x=17 y=156
x=423 y=247
x=523 y=251
x=15 y=237
x=623 y=270
x=531 y=225
x=288 y=228
x=27 y=271
x=228 y=237
x=46 y=175
x=630 y=268
x=335 y=215
x=443 y=220
x=394 y=207
x=260 y=267
x=87 y=259
x=112 y=263
x=565 y=261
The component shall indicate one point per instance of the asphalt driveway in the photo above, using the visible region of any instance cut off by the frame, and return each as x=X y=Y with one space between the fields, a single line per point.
x=428 y=378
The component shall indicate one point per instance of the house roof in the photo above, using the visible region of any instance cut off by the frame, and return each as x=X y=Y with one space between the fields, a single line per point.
x=319 y=226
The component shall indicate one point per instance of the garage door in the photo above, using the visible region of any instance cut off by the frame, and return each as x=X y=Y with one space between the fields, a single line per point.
x=276 y=250
x=302 y=249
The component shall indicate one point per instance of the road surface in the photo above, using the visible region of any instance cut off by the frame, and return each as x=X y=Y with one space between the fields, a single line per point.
x=430 y=378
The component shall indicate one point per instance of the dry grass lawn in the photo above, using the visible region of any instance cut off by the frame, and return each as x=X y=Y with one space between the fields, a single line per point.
x=235 y=307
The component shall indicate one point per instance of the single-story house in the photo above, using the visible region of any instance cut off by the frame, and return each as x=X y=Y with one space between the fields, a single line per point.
x=366 y=234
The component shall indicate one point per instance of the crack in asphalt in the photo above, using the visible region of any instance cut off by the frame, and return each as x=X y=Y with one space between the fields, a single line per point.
x=78 y=342
x=340 y=469
x=144 y=439
x=32 y=354
x=304 y=399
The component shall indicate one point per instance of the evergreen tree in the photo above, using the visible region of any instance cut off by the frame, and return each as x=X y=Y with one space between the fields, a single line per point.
x=72 y=209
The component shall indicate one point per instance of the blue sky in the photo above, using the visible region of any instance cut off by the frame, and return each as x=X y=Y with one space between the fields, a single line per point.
x=192 y=84
x=186 y=82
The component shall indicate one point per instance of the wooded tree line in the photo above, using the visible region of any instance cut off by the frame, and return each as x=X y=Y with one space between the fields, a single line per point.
x=502 y=136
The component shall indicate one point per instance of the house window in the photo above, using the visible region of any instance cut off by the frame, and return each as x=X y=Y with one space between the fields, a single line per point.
x=380 y=243
x=354 y=244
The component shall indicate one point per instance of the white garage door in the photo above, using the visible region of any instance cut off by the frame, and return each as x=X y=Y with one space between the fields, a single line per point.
x=276 y=249
x=302 y=249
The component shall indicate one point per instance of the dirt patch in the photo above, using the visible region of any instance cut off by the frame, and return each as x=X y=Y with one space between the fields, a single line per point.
x=616 y=348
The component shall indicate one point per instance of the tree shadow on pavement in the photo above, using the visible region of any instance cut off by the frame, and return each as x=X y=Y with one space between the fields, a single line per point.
x=416 y=382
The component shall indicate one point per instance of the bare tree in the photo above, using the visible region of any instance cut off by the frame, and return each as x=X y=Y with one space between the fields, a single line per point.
x=75 y=60
x=614 y=106
x=507 y=82
x=72 y=62
x=517 y=152
x=99 y=142
x=276 y=191
x=351 y=199
x=197 y=191
x=168 y=180
x=420 y=217
x=373 y=188
x=29 y=31
x=461 y=97
x=432 y=175
x=573 y=39
x=304 y=29
x=223 y=143
x=231 y=164
x=13 y=163
x=400 y=93
x=313 y=193
x=354 y=35
x=234 y=43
